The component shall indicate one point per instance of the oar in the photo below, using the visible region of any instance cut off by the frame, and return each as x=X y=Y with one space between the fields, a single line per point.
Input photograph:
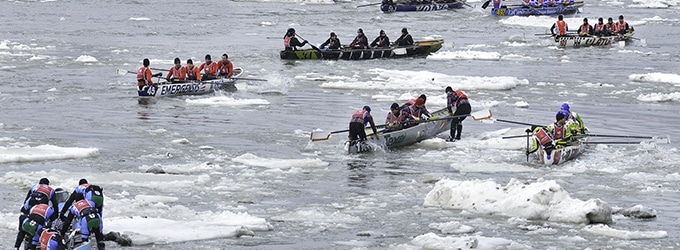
x=313 y=47
x=486 y=4
x=123 y=72
x=622 y=136
x=370 y=4
x=477 y=116
x=520 y=123
x=328 y=136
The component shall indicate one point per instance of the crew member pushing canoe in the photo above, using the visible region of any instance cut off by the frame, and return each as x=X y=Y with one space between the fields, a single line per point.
x=358 y=123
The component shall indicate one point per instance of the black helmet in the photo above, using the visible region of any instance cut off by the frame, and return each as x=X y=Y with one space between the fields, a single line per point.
x=44 y=181
x=177 y=60
x=333 y=34
x=394 y=106
x=404 y=30
x=82 y=181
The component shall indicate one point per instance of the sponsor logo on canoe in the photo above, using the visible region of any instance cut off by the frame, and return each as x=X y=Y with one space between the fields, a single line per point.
x=391 y=140
x=433 y=7
x=173 y=89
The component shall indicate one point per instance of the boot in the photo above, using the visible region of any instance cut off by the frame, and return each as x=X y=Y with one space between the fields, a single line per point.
x=101 y=246
x=459 y=127
x=452 y=133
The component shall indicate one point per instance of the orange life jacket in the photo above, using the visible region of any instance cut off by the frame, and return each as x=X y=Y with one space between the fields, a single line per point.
x=621 y=26
x=562 y=27
x=585 y=28
x=286 y=41
x=599 y=27
x=142 y=77
x=175 y=72
x=191 y=73
x=210 y=69
x=359 y=116
x=393 y=118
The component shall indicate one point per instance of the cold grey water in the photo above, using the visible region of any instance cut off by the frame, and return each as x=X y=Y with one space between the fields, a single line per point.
x=244 y=161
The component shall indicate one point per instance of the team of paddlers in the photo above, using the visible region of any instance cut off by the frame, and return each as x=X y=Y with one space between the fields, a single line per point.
x=290 y=41
x=611 y=28
x=178 y=73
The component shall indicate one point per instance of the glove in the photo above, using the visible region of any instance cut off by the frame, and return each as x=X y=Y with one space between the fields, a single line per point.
x=417 y=119
x=305 y=42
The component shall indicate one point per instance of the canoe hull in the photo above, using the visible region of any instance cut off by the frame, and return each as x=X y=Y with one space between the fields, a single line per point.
x=420 y=48
x=390 y=8
x=578 y=42
x=563 y=154
x=404 y=137
x=551 y=10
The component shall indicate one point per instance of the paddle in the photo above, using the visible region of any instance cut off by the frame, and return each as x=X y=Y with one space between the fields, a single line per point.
x=486 y=4
x=370 y=4
x=313 y=47
x=520 y=123
x=123 y=72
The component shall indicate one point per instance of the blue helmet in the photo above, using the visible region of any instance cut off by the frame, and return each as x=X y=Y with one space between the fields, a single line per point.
x=565 y=106
x=367 y=108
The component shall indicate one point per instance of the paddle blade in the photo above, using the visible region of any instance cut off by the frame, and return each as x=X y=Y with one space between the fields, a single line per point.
x=399 y=51
x=241 y=86
x=121 y=72
x=481 y=115
x=319 y=136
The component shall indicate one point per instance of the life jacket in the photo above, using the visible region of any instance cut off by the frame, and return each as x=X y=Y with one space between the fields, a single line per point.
x=539 y=3
x=416 y=111
x=41 y=194
x=526 y=3
x=391 y=118
x=543 y=137
x=334 y=44
x=621 y=26
x=210 y=69
x=223 y=68
x=176 y=73
x=83 y=208
x=461 y=98
x=39 y=213
x=558 y=132
x=599 y=27
x=286 y=42
x=611 y=27
x=562 y=27
x=49 y=240
x=141 y=77
x=585 y=28
x=191 y=73
x=551 y=2
x=496 y=4
x=359 y=116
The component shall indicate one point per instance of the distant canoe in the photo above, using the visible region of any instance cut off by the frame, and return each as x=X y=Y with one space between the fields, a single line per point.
x=419 y=48
x=517 y=10
x=587 y=41
x=432 y=6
